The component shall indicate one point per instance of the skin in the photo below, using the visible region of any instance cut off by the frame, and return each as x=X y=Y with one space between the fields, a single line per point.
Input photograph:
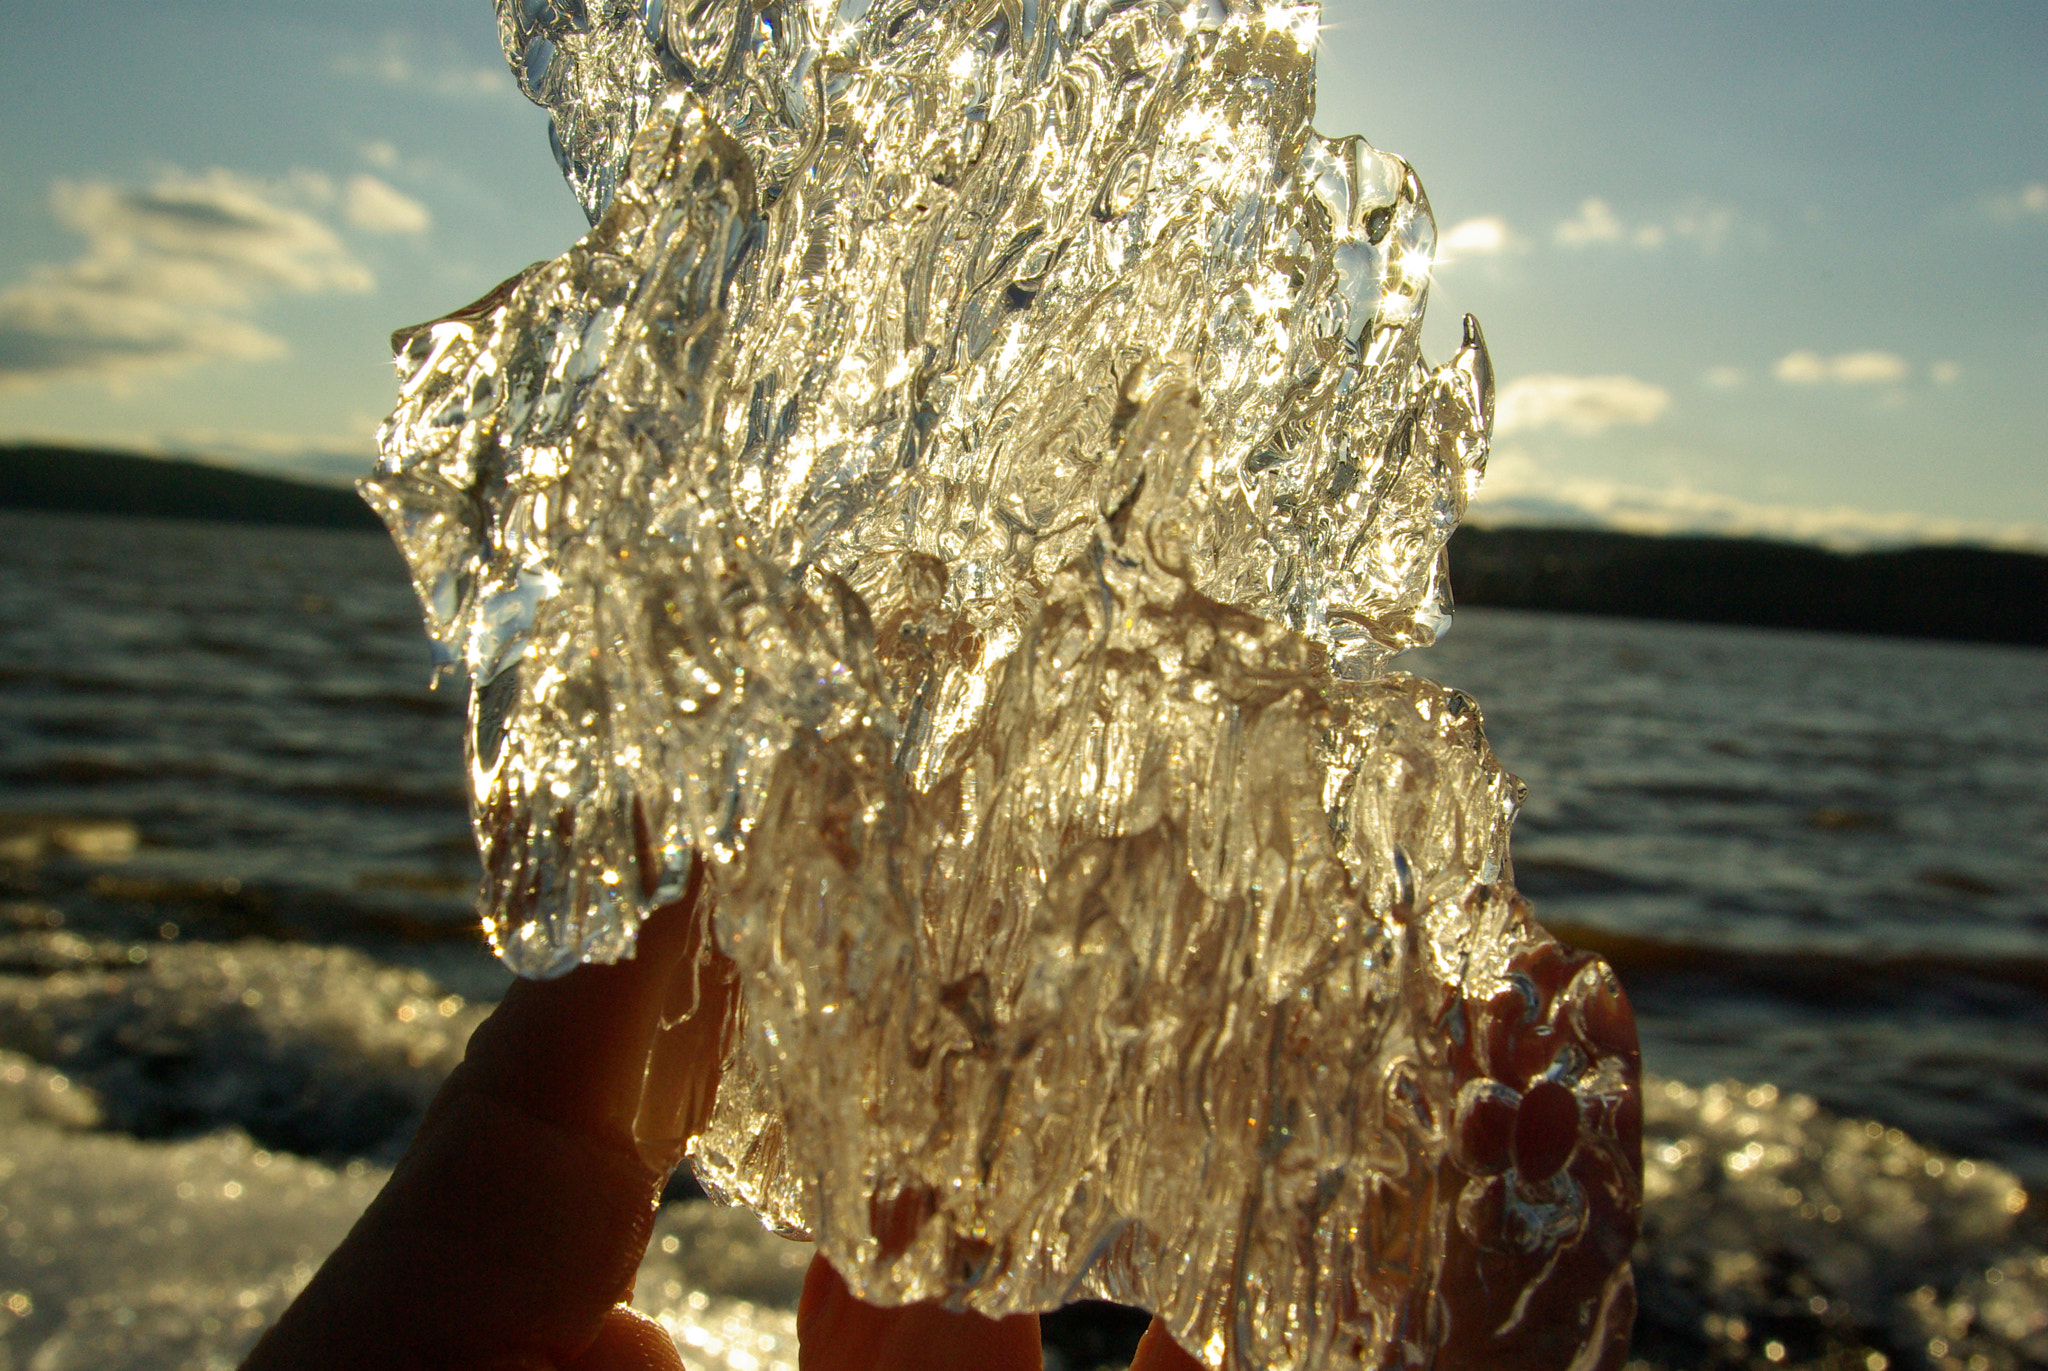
x=509 y=1235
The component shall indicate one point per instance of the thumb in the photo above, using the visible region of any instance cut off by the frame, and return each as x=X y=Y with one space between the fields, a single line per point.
x=516 y=1222
x=837 y=1332
x=1157 y=1351
x=629 y=1341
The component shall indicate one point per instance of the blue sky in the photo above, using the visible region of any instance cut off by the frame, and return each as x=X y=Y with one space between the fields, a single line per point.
x=1746 y=267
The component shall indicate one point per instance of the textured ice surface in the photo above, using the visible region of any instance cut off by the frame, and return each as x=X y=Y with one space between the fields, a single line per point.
x=880 y=325
x=965 y=488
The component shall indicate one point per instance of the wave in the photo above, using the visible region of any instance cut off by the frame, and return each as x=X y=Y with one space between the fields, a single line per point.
x=1827 y=972
x=257 y=777
x=219 y=1112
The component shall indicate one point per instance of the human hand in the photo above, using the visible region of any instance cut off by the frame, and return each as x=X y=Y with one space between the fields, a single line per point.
x=510 y=1233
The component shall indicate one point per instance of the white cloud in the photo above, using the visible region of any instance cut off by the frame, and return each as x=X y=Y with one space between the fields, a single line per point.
x=2028 y=202
x=1806 y=368
x=1726 y=378
x=392 y=166
x=1944 y=373
x=397 y=61
x=168 y=278
x=1487 y=236
x=376 y=207
x=1577 y=404
x=1705 y=226
x=1594 y=223
x=306 y=187
x=1517 y=492
x=217 y=239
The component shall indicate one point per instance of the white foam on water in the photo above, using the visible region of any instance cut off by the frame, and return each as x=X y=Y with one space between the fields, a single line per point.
x=1770 y=1223
x=120 y=1252
x=1777 y=1234
x=124 y=1251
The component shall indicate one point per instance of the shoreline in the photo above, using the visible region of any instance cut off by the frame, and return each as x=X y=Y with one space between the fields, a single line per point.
x=1955 y=593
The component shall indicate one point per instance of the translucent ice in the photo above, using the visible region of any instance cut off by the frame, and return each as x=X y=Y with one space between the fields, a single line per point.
x=965 y=489
x=886 y=333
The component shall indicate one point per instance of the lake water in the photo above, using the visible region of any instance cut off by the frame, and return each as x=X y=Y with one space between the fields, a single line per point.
x=1817 y=861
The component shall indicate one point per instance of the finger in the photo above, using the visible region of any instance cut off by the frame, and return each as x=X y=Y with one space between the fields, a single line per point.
x=680 y=1083
x=1157 y=1351
x=629 y=1341
x=573 y=1051
x=836 y=1332
x=518 y=1218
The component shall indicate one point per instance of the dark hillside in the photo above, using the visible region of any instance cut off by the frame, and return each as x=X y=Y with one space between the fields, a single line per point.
x=73 y=481
x=1965 y=593
x=1968 y=593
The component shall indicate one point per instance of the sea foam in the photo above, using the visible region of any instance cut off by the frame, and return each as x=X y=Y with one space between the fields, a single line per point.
x=154 y=1218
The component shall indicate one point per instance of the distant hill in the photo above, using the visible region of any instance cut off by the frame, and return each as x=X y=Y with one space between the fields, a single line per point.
x=1971 y=594
x=1964 y=593
x=74 y=481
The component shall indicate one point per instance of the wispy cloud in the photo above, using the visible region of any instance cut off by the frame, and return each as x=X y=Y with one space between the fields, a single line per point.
x=1596 y=224
x=1528 y=496
x=1868 y=368
x=397 y=60
x=2028 y=202
x=1578 y=404
x=1486 y=236
x=376 y=207
x=169 y=277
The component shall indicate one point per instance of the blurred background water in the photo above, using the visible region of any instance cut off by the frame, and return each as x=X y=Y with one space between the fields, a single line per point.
x=1819 y=862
